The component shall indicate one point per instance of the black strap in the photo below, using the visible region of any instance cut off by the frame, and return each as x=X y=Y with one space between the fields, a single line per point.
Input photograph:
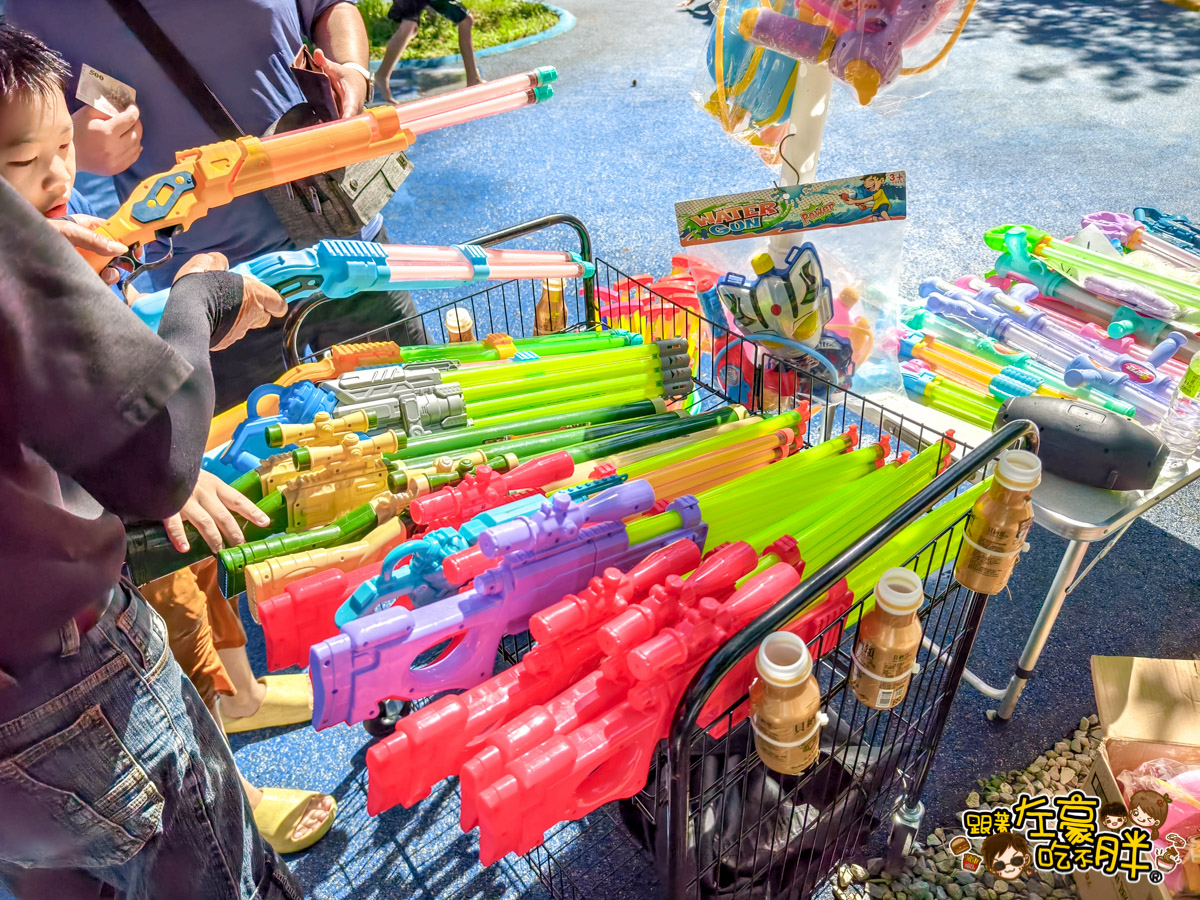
x=177 y=68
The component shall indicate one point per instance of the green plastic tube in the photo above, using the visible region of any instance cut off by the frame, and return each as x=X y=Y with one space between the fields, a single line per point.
x=644 y=386
x=544 y=345
x=573 y=379
x=537 y=444
x=625 y=358
x=574 y=405
x=474 y=436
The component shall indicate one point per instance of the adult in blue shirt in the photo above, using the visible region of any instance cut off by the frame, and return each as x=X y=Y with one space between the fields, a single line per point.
x=243 y=50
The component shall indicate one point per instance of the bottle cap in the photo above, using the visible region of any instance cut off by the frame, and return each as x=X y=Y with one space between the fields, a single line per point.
x=899 y=591
x=1019 y=470
x=783 y=659
x=762 y=264
x=460 y=326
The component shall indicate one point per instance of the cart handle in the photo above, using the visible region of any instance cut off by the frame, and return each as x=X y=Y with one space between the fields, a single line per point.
x=298 y=311
x=721 y=663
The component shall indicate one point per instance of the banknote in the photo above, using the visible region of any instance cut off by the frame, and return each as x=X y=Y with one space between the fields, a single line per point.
x=103 y=92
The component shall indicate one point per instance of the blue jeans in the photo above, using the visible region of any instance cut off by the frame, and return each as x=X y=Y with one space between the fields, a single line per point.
x=111 y=765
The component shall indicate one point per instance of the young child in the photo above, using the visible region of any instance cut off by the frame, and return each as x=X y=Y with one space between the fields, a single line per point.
x=408 y=14
x=37 y=157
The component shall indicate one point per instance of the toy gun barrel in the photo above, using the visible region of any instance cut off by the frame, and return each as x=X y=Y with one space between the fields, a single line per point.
x=787 y=35
x=213 y=175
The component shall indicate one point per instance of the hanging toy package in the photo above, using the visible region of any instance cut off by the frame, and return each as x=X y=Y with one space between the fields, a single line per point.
x=882 y=52
x=801 y=281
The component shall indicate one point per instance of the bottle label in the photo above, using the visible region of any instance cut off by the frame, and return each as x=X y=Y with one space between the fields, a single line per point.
x=788 y=747
x=1190 y=385
x=879 y=676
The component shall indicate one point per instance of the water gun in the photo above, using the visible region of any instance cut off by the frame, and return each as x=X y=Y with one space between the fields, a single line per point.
x=304 y=612
x=437 y=740
x=213 y=175
x=344 y=358
x=421 y=399
x=1134 y=235
x=445 y=561
x=373 y=658
x=941 y=393
x=344 y=268
x=1179 y=230
x=947 y=300
x=863 y=48
x=594 y=742
x=1148 y=293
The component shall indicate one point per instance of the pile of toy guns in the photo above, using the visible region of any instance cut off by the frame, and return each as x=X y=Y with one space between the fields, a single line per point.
x=627 y=593
x=1109 y=317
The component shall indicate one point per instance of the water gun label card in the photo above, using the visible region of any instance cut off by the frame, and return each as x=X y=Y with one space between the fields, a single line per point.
x=103 y=92
x=785 y=210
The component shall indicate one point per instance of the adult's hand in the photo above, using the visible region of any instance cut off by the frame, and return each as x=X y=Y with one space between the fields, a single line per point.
x=107 y=145
x=349 y=85
x=210 y=510
x=80 y=231
x=260 y=303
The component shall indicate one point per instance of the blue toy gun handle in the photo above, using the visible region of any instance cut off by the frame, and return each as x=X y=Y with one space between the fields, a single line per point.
x=387 y=585
x=977 y=317
x=1170 y=345
x=150 y=307
x=1083 y=371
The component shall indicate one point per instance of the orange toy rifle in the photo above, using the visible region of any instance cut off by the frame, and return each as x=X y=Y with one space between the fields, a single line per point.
x=213 y=175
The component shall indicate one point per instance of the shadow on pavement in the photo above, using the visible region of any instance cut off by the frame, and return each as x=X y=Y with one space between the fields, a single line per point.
x=1133 y=48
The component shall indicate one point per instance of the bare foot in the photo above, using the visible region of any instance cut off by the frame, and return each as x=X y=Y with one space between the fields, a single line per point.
x=383 y=89
x=245 y=703
x=315 y=815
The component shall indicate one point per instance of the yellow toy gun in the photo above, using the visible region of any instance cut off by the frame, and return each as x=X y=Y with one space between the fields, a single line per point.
x=338 y=479
x=213 y=175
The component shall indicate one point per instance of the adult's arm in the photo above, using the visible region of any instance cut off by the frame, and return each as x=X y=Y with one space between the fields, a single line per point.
x=87 y=386
x=341 y=37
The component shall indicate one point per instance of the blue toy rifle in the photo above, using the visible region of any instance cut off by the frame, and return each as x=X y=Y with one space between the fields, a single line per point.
x=340 y=269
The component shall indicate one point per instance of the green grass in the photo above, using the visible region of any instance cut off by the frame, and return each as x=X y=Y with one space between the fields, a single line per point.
x=496 y=22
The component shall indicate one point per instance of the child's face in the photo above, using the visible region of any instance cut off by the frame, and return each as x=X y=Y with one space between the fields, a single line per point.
x=872 y=184
x=1112 y=823
x=37 y=155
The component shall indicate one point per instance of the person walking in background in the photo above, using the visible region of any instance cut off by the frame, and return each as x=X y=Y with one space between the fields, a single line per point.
x=408 y=14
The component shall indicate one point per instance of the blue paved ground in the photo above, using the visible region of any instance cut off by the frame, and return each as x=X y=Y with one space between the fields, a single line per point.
x=1044 y=113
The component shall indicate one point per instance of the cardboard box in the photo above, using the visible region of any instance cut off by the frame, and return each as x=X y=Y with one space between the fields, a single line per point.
x=1150 y=708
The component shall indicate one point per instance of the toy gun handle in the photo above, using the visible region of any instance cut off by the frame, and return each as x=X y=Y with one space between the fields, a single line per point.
x=1083 y=371
x=964 y=311
x=1170 y=345
x=561 y=517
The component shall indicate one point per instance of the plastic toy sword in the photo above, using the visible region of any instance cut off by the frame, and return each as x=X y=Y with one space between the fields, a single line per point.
x=213 y=175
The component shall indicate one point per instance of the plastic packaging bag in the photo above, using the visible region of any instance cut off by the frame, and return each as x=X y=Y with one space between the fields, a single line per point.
x=1163 y=796
x=861 y=265
x=882 y=51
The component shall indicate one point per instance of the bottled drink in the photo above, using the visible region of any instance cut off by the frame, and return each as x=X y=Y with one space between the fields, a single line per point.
x=785 y=705
x=460 y=328
x=888 y=638
x=999 y=524
x=1180 y=427
x=550 y=314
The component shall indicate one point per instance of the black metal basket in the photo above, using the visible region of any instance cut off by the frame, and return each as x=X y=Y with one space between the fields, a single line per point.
x=710 y=823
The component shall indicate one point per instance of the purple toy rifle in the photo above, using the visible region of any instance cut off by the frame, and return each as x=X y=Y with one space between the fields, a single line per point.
x=546 y=556
x=1133 y=235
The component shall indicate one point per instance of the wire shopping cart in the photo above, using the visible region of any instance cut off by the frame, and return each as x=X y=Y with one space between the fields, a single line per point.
x=711 y=821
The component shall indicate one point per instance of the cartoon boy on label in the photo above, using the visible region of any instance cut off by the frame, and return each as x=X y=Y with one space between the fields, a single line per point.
x=1113 y=816
x=1006 y=855
x=871 y=197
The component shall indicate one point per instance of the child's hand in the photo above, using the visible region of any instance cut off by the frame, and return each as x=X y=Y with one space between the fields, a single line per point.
x=107 y=145
x=80 y=231
x=210 y=511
